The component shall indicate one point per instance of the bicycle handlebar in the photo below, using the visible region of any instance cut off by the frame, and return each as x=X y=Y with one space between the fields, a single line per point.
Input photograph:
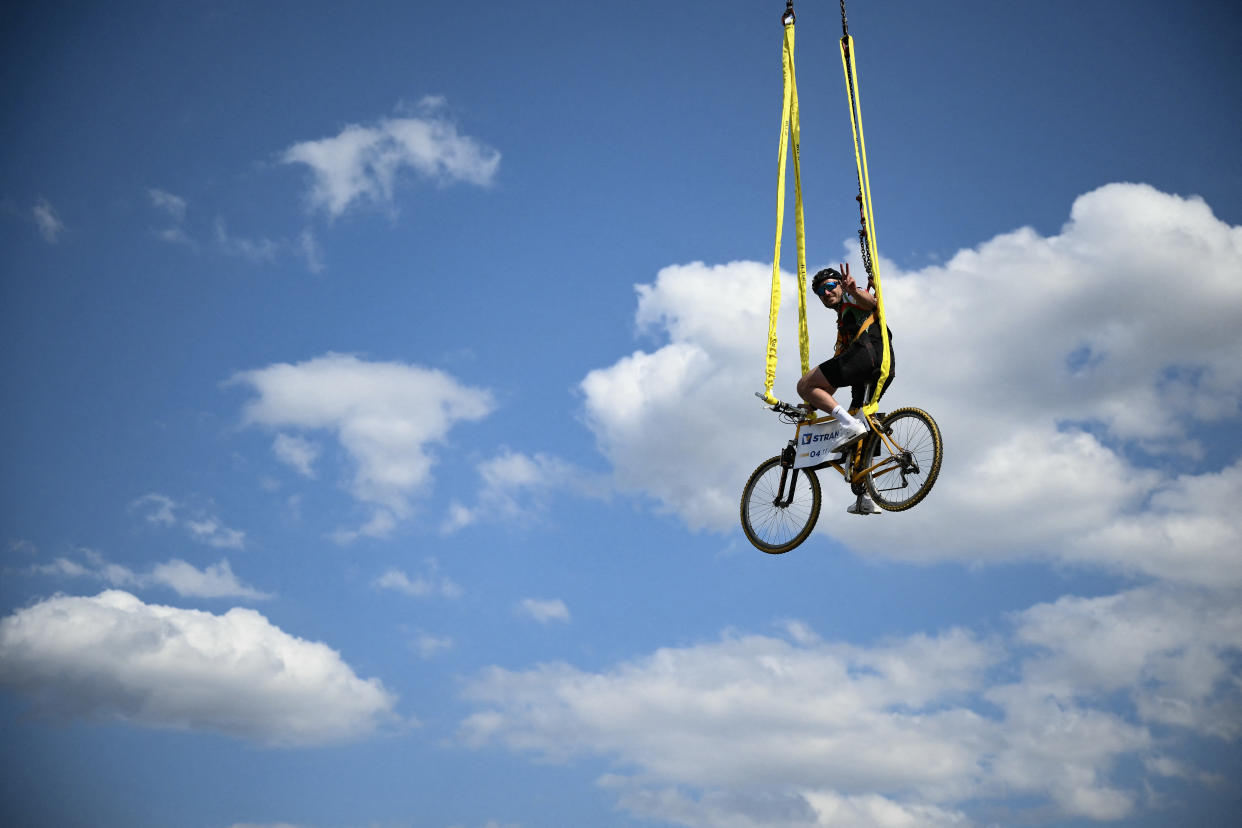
x=784 y=408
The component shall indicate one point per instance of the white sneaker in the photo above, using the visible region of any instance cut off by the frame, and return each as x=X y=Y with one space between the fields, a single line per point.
x=850 y=433
x=863 y=506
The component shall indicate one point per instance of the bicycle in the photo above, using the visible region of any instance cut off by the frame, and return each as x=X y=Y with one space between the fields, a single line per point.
x=896 y=463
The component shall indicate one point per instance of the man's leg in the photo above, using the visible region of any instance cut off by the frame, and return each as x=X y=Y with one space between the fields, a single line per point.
x=816 y=390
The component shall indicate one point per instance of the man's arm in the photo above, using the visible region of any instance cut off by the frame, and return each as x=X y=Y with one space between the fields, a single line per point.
x=862 y=298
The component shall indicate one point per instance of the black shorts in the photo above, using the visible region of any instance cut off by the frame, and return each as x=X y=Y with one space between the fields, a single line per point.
x=858 y=366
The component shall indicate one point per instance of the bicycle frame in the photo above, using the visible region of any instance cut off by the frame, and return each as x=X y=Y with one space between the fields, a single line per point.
x=778 y=510
x=897 y=459
x=851 y=468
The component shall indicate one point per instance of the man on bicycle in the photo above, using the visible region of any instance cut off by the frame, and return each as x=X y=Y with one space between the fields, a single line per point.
x=856 y=359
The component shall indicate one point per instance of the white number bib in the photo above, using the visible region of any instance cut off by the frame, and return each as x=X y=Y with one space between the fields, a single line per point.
x=815 y=442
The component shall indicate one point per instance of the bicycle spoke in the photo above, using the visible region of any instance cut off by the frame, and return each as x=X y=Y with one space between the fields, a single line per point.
x=771 y=527
x=904 y=476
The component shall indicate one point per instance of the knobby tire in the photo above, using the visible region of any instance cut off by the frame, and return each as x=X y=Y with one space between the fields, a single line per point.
x=891 y=487
x=775 y=529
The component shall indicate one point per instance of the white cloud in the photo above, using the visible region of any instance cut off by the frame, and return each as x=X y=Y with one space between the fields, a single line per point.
x=176 y=235
x=173 y=205
x=459 y=517
x=874 y=811
x=48 y=221
x=1177 y=769
x=202 y=526
x=1051 y=364
x=380 y=525
x=1063 y=750
x=213 y=533
x=721 y=809
x=310 y=250
x=216 y=581
x=386 y=415
x=754 y=730
x=427 y=645
x=297 y=452
x=158 y=508
x=429 y=583
x=364 y=163
x=544 y=611
x=1173 y=651
x=642 y=404
x=259 y=251
x=515 y=488
x=64 y=568
x=114 y=657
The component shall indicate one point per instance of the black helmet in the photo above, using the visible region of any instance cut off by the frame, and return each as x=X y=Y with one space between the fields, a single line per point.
x=823 y=276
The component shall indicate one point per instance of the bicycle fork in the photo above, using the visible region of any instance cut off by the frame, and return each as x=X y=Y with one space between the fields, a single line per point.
x=783 y=500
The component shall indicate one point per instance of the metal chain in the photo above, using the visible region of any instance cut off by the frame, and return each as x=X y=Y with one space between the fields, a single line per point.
x=788 y=18
x=866 y=252
x=865 y=249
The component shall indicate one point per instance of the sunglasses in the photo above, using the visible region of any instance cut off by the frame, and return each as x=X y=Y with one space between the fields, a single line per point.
x=824 y=287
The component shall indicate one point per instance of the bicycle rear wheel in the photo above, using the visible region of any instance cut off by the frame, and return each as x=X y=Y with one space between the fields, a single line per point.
x=905 y=470
x=779 y=506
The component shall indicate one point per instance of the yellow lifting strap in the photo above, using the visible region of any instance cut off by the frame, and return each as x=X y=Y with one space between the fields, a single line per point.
x=789 y=129
x=864 y=188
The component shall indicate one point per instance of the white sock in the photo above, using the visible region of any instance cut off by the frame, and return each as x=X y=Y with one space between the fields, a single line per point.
x=843 y=417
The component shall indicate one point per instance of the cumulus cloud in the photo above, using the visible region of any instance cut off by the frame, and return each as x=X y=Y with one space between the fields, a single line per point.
x=216 y=581
x=428 y=645
x=214 y=533
x=715 y=318
x=114 y=657
x=157 y=508
x=1057 y=368
x=48 y=221
x=199 y=524
x=174 y=208
x=793 y=730
x=427 y=583
x=544 y=611
x=722 y=809
x=365 y=163
x=515 y=488
x=385 y=415
x=308 y=247
x=297 y=452
x=1173 y=651
x=258 y=251
x=173 y=205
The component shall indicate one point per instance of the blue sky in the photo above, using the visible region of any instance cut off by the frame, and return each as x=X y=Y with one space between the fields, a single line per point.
x=380 y=395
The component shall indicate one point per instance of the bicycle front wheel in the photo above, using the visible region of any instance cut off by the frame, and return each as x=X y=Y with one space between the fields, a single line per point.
x=907 y=463
x=779 y=506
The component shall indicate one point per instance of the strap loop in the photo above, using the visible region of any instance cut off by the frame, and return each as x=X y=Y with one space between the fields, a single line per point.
x=867 y=235
x=790 y=130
